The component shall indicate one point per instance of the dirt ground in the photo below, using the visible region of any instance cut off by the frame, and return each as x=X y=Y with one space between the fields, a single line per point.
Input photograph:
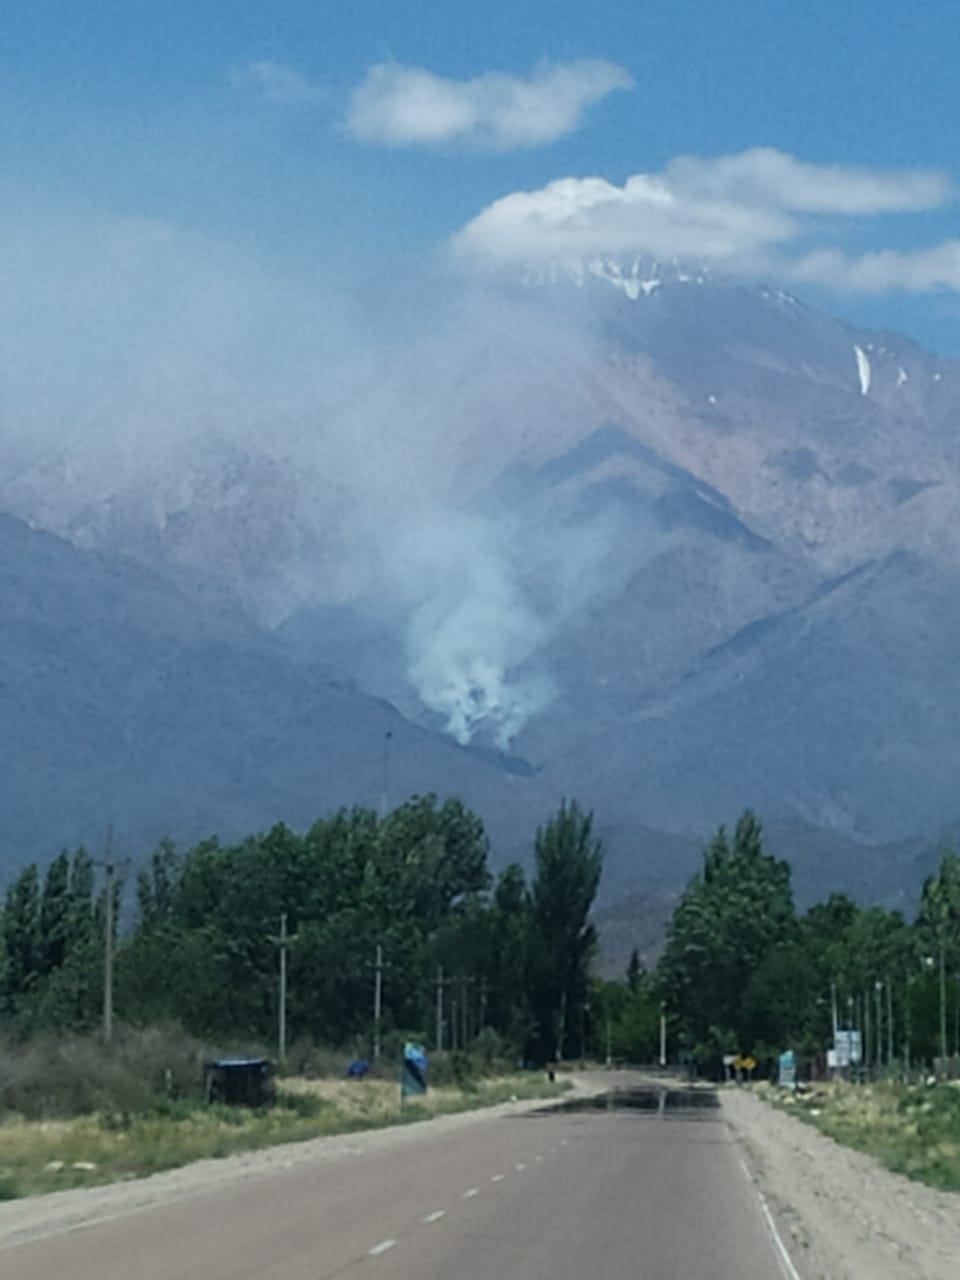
x=842 y=1216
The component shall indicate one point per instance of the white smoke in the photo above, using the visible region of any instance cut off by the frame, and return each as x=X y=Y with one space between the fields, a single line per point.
x=472 y=632
x=308 y=446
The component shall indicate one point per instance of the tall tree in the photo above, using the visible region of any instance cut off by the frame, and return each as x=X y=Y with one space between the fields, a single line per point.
x=21 y=939
x=55 y=915
x=634 y=971
x=569 y=863
x=731 y=916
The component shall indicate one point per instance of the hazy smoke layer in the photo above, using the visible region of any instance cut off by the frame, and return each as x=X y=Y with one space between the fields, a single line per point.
x=307 y=446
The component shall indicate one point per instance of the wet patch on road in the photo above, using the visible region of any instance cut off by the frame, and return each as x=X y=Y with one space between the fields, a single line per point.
x=667 y=1101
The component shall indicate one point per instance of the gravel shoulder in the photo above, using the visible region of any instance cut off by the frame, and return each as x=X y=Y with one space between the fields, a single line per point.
x=842 y=1215
x=59 y=1211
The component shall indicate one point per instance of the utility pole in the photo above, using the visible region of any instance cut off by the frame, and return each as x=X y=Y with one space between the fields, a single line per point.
x=663 y=1034
x=377 y=1002
x=439 y=1037
x=108 y=940
x=284 y=941
x=878 y=1037
x=282 y=1027
x=889 y=1022
x=110 y=868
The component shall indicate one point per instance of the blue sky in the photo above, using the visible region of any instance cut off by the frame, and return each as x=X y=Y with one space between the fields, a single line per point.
x=326 y=139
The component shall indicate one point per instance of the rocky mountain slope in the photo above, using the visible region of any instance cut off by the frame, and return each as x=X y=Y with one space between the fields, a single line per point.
x=666 y=543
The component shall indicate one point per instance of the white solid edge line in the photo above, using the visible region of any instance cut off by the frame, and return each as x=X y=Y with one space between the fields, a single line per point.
x=382 y=1247
x=785 y=1260
x=783 y=1253
x=435 y=1216
x=471 y=1192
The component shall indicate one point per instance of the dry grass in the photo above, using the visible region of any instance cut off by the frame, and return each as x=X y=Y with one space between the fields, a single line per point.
x=911 y=1129
x=38 y=1156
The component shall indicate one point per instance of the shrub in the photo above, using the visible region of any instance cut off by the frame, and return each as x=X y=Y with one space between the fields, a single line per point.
x=58 y=1076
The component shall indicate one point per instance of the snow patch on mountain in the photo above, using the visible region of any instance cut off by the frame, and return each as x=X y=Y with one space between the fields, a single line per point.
x=639 y=277
x=864 y=369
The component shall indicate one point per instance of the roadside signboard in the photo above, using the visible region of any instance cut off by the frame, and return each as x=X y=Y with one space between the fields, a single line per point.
x=413 y=1079
x=787 y=1070
x=847 y=1048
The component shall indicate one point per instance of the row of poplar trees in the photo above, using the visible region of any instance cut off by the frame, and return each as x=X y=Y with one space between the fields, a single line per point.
x=412 y=892
x=506 y=957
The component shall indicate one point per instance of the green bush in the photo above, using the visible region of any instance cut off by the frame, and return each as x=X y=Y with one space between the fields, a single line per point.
x=454 y=1068
x=51 y=1076
x=8 y=1189
x=315 y=1062
x=489 y=1048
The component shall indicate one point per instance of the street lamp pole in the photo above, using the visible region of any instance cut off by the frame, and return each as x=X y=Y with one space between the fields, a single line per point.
x=943 y=1005
x=663 y=1034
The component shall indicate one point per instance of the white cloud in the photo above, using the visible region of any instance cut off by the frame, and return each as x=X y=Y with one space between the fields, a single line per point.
x=766 y=176
x=279 y=83
x=758 y=211
x=577 y=217
x=399 y=106
x=916 y=271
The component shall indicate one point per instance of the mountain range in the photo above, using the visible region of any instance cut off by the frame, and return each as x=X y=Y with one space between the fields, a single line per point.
x=669 y=544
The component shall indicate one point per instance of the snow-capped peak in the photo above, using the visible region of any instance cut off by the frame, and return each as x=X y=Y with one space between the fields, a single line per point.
x=639 y=277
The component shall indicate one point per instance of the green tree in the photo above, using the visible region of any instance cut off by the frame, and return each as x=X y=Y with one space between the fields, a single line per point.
x=507 y=956
x=938 y=932
x=55 y=916
x=568 y=862
x=732 y=915
x=634 y=971
x=21 y=940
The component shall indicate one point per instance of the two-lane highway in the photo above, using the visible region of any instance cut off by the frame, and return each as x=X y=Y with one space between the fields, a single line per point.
x=599 y=1193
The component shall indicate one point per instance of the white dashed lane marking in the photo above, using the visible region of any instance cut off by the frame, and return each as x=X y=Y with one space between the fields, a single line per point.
x=386 y=1245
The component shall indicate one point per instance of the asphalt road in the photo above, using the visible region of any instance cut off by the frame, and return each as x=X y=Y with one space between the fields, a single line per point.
x=596 y=1194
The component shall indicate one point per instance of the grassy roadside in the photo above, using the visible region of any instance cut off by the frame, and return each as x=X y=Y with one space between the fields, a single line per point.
x=48 y=1155
x=910 y=1129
